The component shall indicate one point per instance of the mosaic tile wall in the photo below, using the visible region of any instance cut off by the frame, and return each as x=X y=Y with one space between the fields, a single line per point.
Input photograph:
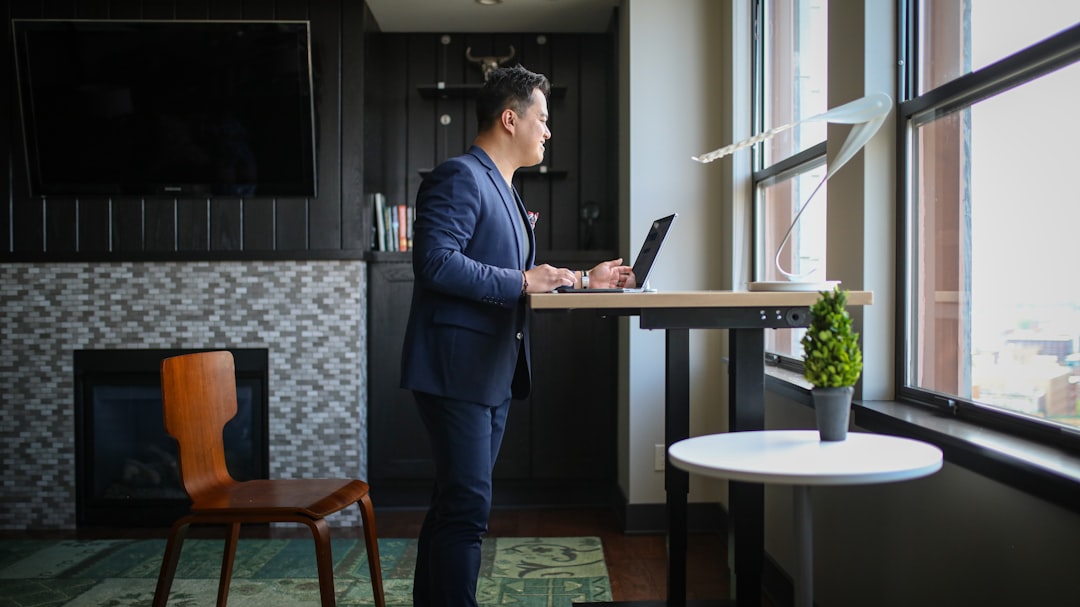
x=310 y=315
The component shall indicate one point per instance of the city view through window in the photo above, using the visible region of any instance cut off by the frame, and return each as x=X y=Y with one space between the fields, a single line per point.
x=996 y=312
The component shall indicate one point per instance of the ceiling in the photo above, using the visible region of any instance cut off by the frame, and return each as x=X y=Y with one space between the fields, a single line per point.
x=462 y=16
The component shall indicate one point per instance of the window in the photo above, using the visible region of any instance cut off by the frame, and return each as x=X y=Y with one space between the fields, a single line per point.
x=790 y=72
x=992 y=215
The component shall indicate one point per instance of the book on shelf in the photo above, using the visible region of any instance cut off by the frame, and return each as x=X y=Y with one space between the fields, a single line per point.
x=392 y=224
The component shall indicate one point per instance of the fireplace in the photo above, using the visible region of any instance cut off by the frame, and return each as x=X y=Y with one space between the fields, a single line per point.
x=126 y=464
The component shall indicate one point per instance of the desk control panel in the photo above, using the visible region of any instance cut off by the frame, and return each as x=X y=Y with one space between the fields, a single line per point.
x=726 y=318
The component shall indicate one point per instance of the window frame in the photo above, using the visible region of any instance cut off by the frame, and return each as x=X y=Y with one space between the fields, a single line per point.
x=1009 y=72
x=762 y=176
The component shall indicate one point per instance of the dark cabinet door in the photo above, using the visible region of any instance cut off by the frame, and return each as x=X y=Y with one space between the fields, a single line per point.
x=397 y=444
x=573 y=399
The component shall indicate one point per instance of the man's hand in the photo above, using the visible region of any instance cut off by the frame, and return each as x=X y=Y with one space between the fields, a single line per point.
x=611 y=274
x=545 y=278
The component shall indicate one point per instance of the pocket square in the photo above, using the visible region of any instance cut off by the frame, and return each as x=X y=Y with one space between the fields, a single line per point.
x=534 y=216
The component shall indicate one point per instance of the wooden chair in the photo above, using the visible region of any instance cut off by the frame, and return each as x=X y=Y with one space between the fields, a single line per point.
x=199 y=397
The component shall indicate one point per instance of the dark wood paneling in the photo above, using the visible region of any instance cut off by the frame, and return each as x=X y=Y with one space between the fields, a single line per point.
x=292 y=227
x=193 y=9
x=324 y=229
x=7 y=130
x=160 y=224
x=393 y=110
x=28 y=232
x=60 y=222
x=225 y=222
x=127 y=224
x=259 y=9
x=422 y=122
x=567 y=138
x=597 y=141
x=227 y=9
x=129 y=228
x=192 y=224
x=158 y=9
x=93 y=227
x=354 y=232
x=92 y=9
x=258 y=219
x=452 y=138
x=52 y=9
x=292 y=9
x=125 y=9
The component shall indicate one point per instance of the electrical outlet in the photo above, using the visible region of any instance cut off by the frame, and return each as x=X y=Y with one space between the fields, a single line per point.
x=659 y=458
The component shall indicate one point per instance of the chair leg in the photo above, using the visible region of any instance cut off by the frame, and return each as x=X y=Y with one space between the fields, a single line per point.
x=228 y=558
x=324 y=560
x=371 y=540
x=173 y=547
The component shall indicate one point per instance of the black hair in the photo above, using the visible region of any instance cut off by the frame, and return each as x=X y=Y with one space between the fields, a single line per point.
x=507 y=87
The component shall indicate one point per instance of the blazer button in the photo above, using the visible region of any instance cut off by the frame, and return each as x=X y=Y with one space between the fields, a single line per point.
x=520 y=336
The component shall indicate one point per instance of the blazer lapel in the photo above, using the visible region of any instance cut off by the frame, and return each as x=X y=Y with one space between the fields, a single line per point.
x=515 y=208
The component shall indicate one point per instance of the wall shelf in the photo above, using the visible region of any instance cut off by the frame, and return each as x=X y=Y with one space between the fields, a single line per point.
x=537 y=171
x=459 y=91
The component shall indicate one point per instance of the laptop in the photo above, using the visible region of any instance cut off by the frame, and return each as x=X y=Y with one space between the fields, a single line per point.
x=643 y=264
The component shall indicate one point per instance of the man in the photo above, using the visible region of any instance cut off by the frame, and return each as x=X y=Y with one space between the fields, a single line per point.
x=466 y=351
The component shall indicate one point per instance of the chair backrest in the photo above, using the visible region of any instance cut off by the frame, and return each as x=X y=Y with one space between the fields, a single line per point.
x=198 y=393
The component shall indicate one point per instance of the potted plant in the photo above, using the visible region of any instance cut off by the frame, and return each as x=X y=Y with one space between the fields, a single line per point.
x=832 y=362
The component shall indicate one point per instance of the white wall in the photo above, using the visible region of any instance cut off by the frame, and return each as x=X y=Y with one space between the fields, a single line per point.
x=673 y=106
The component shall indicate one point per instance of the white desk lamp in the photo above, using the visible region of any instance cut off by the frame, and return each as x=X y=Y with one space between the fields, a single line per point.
x=867 y=114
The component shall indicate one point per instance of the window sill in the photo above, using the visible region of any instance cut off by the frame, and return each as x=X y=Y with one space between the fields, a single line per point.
x=1047 y=472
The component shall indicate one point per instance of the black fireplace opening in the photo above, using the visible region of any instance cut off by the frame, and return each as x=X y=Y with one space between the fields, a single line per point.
x=127 y=472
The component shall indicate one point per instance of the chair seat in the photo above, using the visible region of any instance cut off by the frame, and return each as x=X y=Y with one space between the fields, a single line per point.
x=316 y=498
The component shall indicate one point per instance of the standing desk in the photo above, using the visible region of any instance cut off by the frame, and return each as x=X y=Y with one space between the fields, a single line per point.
x=746 y=315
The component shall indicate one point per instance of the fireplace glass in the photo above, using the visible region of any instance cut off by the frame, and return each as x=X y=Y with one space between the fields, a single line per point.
x=127 y=464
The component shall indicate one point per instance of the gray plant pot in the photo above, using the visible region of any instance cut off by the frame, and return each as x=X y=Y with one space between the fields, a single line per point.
x=832 y=407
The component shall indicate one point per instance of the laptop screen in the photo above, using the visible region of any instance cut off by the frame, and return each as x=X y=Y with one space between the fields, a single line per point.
x=651 y=248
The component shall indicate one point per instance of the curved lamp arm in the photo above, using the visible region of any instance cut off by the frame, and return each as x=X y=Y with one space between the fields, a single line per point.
x=867 y=114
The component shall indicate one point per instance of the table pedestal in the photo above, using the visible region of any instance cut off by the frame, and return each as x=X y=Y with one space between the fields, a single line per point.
x=804 y=547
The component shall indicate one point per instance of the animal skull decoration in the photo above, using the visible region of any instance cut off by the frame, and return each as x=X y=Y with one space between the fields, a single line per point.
x=488 y=64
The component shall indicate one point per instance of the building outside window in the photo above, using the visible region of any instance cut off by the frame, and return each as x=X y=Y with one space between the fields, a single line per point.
x=991 y=285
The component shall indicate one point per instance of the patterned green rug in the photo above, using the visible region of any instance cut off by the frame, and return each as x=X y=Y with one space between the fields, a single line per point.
x=524 y=572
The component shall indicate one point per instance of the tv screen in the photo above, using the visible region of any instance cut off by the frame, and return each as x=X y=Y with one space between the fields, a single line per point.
x=170 y=108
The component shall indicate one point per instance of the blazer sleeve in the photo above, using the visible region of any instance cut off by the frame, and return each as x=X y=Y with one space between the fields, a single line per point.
x=463 y=241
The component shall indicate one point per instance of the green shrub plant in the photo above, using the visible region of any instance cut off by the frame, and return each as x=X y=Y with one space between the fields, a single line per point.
x=831 y=354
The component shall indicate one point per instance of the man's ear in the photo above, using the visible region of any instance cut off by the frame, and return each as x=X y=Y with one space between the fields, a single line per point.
x=508 y=119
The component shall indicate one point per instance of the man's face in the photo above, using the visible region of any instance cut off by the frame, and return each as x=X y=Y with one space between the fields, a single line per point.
x=532 y=130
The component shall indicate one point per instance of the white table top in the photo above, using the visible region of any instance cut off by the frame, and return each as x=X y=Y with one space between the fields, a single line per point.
x=799 y=457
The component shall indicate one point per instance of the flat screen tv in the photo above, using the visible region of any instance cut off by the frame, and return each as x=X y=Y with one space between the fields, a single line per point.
x=173 y=108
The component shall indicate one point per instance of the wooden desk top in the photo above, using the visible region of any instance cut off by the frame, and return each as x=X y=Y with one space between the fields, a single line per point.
x=685 y=299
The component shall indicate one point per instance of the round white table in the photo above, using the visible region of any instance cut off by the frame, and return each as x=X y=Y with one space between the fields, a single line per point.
x=799 y=458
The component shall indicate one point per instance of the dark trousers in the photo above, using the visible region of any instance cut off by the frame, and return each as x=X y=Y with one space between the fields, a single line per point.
x=465 y=439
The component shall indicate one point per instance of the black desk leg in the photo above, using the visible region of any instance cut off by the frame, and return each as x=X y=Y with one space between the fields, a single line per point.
x=747 y=509
x=676 y=482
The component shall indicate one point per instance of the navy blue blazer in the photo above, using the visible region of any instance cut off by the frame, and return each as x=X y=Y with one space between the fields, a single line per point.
x=468 y=337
